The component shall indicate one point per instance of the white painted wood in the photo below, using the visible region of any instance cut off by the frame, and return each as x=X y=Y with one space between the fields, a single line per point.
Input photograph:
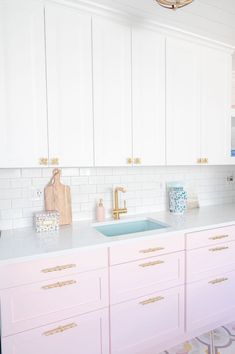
x=183 y=102
x=52 y=267
x=208 y=303
x=210 y=237
x=138 y=328
x=112 y=92
x=23 y=121
x=216 y=73
x=30 y=306
x=208 y=261
x=135 y=279
x=148 y=77
x=89 y=334
x=159 y=245
x=69 y=85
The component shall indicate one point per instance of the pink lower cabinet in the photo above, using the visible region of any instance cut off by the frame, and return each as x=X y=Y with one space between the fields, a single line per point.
x=147 y=324
x=210 y=300
x=33 y=305
x=85 y=334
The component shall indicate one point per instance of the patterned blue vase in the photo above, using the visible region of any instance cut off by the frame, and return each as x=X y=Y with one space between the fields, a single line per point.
x=178 y=200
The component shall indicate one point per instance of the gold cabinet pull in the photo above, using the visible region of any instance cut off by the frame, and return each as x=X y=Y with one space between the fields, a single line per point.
x=217 y=249
x=199 y=160
x=217 y=281
x=59 y=284
x=129 y=161
x=54 y=161
x=219 y=237
x=58 y=268
x=149 y=250
x=151 y=264
x=59 y=329
x=137 y=161
x=43 y=161
x=151 y=300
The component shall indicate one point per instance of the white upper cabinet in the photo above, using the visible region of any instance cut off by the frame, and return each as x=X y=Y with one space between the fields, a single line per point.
x=112 y=92
x=216 y=74
x=182 y=102
x=69 y=86
x=148 y=78
x=23 y=122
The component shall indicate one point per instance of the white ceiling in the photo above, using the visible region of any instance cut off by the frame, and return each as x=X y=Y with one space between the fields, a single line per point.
x=211 y=18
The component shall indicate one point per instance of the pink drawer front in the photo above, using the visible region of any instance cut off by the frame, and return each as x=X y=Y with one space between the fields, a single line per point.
x=86 y=334
x=53 y=267
x=210 y=237
x=133 y=279
x=34 y=305
x=160 y=244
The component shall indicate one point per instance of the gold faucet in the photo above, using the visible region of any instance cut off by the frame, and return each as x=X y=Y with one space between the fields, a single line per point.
x=117 y=211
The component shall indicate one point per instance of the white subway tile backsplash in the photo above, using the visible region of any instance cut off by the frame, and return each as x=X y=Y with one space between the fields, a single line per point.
x=146 y=189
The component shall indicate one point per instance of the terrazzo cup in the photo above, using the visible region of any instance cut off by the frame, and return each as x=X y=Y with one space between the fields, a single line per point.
x=178 y=200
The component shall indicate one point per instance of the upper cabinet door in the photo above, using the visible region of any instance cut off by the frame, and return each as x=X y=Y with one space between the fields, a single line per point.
x=216 y=74
x=69 y=85
x=23 y=121
x=112 y=92
x=148 y=75
x=182 y=103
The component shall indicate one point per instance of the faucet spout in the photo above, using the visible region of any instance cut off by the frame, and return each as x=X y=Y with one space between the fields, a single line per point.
x=117 y=210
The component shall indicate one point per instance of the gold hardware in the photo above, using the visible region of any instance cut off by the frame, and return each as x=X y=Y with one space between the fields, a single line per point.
x=216 y=249
x=60 y=329
x=117 y=210
x=54 y=161
x=220 y=237
x=137 y=161
x=129 y=161
x=150 y=264
x=59 y=284
x=58 y=268
x=199 y=160
x=149 y=250
x=217 y=281
x=152 y=300
x=43 y=161
x=204 y=160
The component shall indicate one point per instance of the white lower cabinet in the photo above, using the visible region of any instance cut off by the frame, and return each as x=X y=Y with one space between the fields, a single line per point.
x=143 y=325
x=86 y=334
x=210 y=300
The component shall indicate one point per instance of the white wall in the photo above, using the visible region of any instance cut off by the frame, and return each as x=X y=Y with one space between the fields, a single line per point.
x=145 y=186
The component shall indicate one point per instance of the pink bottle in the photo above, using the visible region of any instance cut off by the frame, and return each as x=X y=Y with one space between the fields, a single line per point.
x=100 y=212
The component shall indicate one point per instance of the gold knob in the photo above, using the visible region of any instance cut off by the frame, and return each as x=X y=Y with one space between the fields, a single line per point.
x=199 y=160
x=55 y=161
x=43 y=161
x=137 y=161
x=129 y=161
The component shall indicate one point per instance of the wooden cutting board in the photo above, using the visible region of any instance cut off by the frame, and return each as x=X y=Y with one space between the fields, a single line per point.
x=58 y=197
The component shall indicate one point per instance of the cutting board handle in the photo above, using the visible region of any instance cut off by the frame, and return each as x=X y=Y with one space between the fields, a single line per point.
x=55 y=180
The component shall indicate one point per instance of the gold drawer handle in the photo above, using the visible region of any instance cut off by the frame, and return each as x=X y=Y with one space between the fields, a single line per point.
x=152 y=300
x=129 y=161
x=54 y=161
x=59 y=284
x=217 y=249
x=199 y=160
x=220 y=237
x=59 y=329
x=150 y=264
x=149 y=250
x=217 y=281
x=58 y=268
x=137 y=161
x=43 y=161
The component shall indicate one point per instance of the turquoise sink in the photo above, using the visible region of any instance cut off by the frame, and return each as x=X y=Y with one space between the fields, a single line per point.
x=130 y=227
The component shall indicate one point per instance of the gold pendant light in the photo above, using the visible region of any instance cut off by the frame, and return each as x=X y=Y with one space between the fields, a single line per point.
x=174 y=4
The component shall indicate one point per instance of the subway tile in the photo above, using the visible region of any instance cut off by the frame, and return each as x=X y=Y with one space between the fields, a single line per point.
x=10 y=193
x=10 y=173
x=31 y=172
x=76 y=181
x=5 y=183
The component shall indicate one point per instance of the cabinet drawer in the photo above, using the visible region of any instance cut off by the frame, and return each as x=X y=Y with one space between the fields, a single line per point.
x=36 y=304
x=210 y=300
x=86 y=334
x=49 y=268
x=210 y=237
x=134 y=279
x=203 y=262
x=158 y=245
x=147 y=322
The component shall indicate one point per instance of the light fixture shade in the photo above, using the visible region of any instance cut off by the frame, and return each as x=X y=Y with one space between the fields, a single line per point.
x=174 y=4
